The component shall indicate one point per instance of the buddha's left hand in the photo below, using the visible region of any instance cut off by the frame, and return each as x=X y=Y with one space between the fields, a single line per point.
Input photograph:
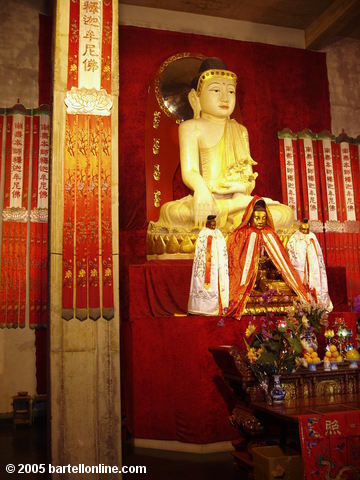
x=231 y=187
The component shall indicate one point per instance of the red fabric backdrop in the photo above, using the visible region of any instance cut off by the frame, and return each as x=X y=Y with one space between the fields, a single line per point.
x=277 y=87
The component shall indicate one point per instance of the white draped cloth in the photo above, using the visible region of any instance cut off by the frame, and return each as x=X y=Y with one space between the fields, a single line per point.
x=306 y=256
x=209 y=288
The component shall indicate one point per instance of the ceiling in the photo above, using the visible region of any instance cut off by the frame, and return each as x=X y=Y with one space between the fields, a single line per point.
x=323 y=21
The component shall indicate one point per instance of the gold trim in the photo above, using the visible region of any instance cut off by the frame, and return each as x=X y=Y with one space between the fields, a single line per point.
x=156 y=146
x=15 y=214
x=39 y=215
x=157 y=198
x=328 y=388
x=156 y=120
x=156 y=172
x=88 y=101
x=212 y=73
x=163 y=67
x=185 y=243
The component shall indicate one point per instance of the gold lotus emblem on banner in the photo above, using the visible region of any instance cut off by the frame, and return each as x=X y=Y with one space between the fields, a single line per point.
x=88 y=101
x=39 y=215
x=13 y=214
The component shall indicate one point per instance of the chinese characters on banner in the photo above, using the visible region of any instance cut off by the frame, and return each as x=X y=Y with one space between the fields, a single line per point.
x=330 y=191
x=19 y=129
x=290 y=177
x=87 y=238
x=39 y=218
x=310 y=179
x=330 y=445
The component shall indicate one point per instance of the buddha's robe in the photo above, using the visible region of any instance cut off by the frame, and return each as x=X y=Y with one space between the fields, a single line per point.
x=305 y=254
x=226 y=165
x=244 y=246
x=209 y=289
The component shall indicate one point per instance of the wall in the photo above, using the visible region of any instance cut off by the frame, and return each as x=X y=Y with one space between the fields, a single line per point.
x=343 y=56
x=343 y=63
x=19 y=79
x=19 y=59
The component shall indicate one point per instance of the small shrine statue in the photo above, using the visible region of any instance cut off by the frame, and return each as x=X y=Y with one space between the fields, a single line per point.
x=254 y=239
x=215 y=160
x=306 y=256
x=209 y=289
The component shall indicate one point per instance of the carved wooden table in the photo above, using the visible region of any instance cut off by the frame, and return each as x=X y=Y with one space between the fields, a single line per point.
x=306 y=392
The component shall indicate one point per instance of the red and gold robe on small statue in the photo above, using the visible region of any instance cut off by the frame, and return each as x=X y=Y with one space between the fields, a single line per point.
x=244 y=248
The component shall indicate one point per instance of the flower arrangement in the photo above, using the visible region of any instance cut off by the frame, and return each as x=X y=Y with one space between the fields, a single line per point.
x=357 y=311
x=312 y=315
x=276 y=345
x=272 y=348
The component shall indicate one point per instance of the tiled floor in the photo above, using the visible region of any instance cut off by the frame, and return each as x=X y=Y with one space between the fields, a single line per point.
x=28 y=445
x=22 y=445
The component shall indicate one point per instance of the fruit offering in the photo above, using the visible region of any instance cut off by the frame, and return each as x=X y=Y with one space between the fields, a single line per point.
x=333 y=355
x=352 y=354
x=311 y=356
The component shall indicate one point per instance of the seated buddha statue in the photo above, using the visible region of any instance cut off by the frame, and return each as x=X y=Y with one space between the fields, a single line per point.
x=215 y=160
x=258 y=261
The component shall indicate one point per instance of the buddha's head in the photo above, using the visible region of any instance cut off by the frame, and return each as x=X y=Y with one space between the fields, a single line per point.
x=211 y=222
x=304 y=226
x=259 y=216
x=214 y=90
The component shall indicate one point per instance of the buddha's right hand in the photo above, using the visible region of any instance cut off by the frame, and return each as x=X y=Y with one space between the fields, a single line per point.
x=204 y=205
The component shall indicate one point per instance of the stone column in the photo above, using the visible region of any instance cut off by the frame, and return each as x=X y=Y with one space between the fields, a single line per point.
x=84 y=355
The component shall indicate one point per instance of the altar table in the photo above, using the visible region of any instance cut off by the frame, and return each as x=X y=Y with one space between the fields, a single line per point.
x=329 y=432
x=172 y=388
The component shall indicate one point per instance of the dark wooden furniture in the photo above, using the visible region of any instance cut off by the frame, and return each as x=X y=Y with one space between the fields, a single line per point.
x=22 y=409
x=306 y=392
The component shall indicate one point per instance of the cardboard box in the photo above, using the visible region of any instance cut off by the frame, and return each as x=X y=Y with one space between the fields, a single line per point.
x=272 y=463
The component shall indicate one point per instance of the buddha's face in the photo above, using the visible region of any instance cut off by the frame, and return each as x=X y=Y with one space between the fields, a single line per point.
x=258 y=219
x=217 y=97
x=304 y=228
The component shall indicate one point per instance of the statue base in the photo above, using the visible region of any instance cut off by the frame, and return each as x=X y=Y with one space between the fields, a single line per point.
x=279 y=303
x=175 y=244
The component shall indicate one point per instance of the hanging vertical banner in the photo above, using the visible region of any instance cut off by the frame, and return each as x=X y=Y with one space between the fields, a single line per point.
x=81 y=218
x=330 y=178
x=93 y=235
x=87 y=238
x=289 y=165
x=14 y=216
x=69 y=216
x=106 y=225
x=355 y=171
x=39 y=217
x=349 y=182
x=2 y=132
x=310 y=179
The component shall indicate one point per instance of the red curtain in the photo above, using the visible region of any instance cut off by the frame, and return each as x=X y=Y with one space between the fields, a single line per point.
x=277 y=87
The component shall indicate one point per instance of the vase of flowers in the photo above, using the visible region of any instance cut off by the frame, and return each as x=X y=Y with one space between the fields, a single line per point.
x=278 y=393
x=273 y=346
x=311 y=317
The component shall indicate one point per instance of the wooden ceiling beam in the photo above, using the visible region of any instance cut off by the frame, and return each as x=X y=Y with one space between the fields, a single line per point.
x=330 y=22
